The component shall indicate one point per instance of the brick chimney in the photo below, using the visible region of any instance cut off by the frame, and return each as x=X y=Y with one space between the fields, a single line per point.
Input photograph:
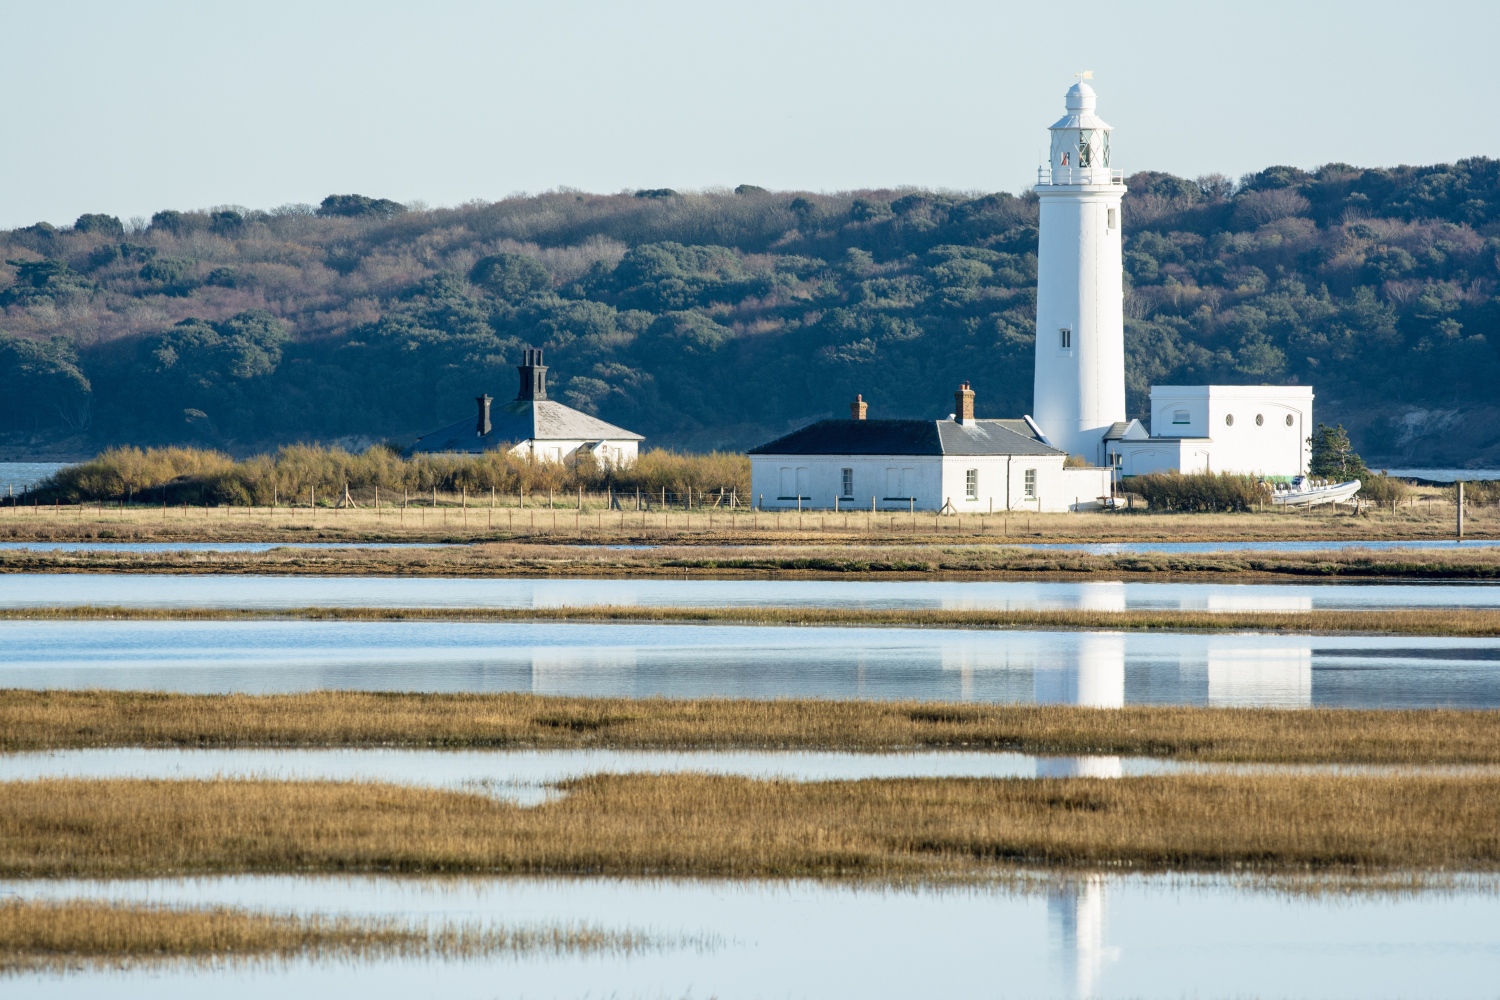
x=963 y=404
x=858 y=408
x=533 y=375
x=483 y=425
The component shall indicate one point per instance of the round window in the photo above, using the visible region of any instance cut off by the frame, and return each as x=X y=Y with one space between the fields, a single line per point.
x=1259 y=419
x=1229 y=419
x=1289 y=420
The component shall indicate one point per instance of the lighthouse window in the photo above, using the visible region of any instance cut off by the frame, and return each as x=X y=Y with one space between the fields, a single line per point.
x=1181 y=417
x=1065 y=159
x=1113 y=222
x=1065 y=339
x=1259 y=419
x=1289 y=420
x=1229 y=419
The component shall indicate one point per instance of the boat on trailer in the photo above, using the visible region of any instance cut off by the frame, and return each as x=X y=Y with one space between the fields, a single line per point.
x=1304 y=492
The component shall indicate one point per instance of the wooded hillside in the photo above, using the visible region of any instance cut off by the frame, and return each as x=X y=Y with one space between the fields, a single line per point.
x=722 y=319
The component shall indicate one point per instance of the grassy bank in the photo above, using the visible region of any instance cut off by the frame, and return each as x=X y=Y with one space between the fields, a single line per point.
x=71 y=934
x=1419 y=621
x=469 y=517
x=808 y=562
x=694 y=825
x=44 y=720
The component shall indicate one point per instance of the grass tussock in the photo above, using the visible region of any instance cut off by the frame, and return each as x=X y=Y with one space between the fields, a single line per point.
x=783 y=560
x=72 y=934
x=43 y=720
x=695 y=825
x=1200 y=491
x=1418 y=621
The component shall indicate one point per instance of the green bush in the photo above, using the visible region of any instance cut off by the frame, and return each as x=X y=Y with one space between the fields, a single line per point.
x=1201 y=491
x=1382 y=488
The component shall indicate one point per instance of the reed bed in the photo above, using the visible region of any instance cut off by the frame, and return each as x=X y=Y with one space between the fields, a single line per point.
x=695 y=825
x=806 y=562
x=47 y=720
x=1416 y=621
x=54 y=936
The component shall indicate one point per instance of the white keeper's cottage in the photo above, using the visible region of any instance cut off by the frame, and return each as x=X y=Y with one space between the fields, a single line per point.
x=960 y=465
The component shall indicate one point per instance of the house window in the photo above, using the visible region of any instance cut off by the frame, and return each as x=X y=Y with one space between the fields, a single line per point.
x=1259 y=419
x=971 y=484
x=847 y=484
x=1181 y=417
x=1030 y=484
x=1289 y=420
x=1112 y=218
x=1065 y=339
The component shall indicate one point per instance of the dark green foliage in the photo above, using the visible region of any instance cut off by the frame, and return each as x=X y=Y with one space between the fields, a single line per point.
x=1199 y=491
x=510 y=275
x=655 y=193
x=40 y=384
x=1333 y=456
x=104 y=225
x=750 y=189
x=358 y=206
x=209 y=377
x=721 y=320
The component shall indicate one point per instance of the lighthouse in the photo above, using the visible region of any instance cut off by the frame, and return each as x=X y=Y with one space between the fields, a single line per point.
x=1079 y=392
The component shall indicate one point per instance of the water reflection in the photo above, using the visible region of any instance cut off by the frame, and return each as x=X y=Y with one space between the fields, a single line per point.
x=1092 y=936
x=1083 y=668
x=146 y=590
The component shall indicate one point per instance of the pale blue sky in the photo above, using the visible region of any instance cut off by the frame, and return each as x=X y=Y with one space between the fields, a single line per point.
x=130 y=108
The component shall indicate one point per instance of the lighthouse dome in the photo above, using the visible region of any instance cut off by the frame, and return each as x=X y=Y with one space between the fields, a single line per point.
x=1081 y=99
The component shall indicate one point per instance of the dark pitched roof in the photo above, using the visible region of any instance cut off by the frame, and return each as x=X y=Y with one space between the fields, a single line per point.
x=522 y=420
x=909 y=437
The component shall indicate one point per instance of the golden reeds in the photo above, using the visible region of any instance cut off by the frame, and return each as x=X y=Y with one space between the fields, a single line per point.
x=46 y=935
x=695 y=825
x=1416 y=621
x=42 y=720
x=791 y=561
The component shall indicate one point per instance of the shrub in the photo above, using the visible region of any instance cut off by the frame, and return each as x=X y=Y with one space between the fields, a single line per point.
x=1202 y=491
x=1382 y=488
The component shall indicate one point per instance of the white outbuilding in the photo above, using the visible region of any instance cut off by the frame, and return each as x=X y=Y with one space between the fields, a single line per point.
x=533 y=425
x=960 y=465
x=1259 y=430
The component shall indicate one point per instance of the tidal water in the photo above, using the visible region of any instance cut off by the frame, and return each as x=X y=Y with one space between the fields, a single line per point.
x=1064 y=937
x=16 y=477
x=20 y=590
x=645 y=660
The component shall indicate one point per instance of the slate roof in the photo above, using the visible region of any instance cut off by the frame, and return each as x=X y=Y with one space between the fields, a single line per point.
x=522 y=420
x=909 y=437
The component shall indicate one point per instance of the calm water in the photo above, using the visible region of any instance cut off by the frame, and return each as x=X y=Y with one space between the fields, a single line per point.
x=1089 y=668
x=271 y=592
x=1086 y=936
x=1446 y=475
x=1189 y=548
x=16 y=477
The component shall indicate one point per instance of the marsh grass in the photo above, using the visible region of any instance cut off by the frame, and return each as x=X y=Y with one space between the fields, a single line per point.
x=1417 y=621
x=72 y=934
x=790 y=561
x=697 y=825
x=42 y=720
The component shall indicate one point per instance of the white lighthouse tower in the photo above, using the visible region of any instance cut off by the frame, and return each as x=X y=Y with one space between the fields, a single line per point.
x=1080 y=323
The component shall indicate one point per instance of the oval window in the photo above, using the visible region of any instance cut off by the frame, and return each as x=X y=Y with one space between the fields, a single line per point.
x=1229 y=419
x=1259 y=419
x=1289 y=420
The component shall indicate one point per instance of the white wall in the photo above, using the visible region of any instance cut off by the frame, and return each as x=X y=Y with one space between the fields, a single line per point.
x=1229 y=438
x=777 y=480
x=1080 y=390
x=610 y=452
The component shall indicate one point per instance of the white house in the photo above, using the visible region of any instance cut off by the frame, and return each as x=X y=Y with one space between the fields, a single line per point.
x=1259 y=430
x=1079 y=401
x=531 y=424
x=960 y=465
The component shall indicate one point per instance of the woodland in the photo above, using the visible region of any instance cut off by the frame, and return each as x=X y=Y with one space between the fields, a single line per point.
x=719 y=319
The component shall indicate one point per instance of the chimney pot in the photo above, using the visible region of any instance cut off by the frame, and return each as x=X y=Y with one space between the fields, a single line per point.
x=483 y=425
x=963 y=404
x=859 y=407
